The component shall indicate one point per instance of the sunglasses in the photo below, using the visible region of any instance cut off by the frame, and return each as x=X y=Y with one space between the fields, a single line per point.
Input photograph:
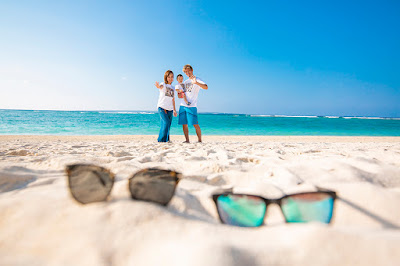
x=249 y=210
x=91 y=183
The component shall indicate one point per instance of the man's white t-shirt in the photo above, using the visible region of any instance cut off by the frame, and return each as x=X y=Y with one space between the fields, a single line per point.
x=166 y=96
x=192 y=92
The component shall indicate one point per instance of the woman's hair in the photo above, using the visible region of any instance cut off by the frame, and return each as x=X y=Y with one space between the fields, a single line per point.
x=179 y=75
x=166 y=75
x=187 y=66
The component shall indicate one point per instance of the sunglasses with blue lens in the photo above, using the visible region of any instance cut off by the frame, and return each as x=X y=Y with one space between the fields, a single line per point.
x=250 y=210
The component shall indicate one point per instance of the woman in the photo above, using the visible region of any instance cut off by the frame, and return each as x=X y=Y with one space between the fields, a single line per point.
x=166 y=105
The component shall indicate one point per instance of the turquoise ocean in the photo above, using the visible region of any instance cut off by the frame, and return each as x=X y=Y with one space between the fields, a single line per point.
x=33 y=122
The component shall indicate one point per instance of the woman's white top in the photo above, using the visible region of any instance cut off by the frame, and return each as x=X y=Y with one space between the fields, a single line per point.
x=166 y=96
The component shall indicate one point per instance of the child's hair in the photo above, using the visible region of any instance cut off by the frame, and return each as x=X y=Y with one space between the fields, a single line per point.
x=179 y=75
x=166 y=75
x=187 y=66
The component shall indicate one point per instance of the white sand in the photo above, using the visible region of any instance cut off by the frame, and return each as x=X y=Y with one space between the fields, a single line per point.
x=40 y=224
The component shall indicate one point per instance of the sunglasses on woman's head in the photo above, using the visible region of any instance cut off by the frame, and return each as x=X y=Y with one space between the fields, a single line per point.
x=91 y=183
x=250 y=210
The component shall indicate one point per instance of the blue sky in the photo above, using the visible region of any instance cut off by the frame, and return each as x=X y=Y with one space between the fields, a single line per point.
x=263 y=57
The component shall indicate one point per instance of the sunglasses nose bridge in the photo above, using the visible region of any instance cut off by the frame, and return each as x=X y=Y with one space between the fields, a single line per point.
x=273 y=212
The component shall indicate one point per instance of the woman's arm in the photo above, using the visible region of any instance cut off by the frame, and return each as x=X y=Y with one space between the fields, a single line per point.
x=158 y=85
x=173 y=102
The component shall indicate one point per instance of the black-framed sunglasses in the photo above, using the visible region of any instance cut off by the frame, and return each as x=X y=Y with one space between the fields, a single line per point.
x=90 y=183
x=250 y=210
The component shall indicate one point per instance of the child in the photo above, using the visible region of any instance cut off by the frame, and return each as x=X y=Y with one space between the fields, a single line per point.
x=180 y=88
x=166 y=103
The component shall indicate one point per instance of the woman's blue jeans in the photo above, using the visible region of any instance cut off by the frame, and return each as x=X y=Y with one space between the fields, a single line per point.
x=166 y=120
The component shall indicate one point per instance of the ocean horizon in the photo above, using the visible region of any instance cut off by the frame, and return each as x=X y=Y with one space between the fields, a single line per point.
x=124 y=122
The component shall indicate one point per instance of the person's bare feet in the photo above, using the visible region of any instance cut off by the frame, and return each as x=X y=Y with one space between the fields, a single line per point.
x=186 y=141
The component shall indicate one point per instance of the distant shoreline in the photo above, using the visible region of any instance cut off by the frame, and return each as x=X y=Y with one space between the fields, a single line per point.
x=217 y=113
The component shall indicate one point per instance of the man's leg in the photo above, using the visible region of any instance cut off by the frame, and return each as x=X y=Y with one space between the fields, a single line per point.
x=182 y=120
x=198 y=131
x=186 y=132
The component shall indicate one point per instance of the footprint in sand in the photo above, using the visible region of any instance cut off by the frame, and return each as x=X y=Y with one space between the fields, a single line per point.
x=248 y=160
x=312 y=151
x=216 y=180
x=146 y=159
x=127 y=158
x=18 y=153
x=197 y=158
x=118 y=154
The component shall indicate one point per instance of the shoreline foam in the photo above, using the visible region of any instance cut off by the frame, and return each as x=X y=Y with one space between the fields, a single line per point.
x=212 y=138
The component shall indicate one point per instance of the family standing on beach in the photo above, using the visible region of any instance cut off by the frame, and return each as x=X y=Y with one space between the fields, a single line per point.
x=188 y=92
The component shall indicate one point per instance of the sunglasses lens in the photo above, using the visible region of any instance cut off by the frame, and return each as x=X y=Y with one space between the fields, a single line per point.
x=153 y=185
x=308 y=207
x=89 y=183
x=241 y=210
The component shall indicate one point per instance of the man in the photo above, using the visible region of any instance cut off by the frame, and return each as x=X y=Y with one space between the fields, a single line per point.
x=188 y=113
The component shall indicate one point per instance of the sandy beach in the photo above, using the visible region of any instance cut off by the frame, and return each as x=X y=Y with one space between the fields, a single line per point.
x=40 y=224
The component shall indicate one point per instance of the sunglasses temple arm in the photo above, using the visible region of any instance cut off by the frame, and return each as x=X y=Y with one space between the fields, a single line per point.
x=321 y=189
x=223 y=190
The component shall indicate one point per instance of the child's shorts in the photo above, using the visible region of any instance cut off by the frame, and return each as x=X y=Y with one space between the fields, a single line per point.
x=188 y=115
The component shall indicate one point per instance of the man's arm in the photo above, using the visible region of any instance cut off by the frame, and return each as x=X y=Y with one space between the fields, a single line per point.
x=202 y=85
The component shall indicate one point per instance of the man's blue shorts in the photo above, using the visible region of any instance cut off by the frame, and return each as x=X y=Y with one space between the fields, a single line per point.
x=188 y=115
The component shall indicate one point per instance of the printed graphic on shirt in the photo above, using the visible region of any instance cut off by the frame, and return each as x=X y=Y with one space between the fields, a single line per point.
x=189 y=86
x=169 y=92
x=182 y=87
